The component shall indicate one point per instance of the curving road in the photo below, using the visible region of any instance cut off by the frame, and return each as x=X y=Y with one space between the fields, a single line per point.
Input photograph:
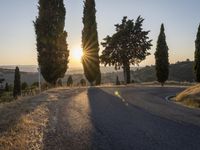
x=134 y=118
x=114 y=118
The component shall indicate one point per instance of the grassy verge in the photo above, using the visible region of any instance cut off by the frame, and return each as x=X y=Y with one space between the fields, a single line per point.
x=22 y=123
x=168 y=83
x=190 y=97
x=6 y=97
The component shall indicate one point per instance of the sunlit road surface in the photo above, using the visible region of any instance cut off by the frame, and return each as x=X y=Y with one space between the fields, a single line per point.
x=132 y=118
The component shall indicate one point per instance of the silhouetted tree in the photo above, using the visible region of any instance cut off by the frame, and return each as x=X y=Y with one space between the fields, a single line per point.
x=7 y=89
x=117 y=81
x=24 y=86
x=129 y=45
x=69 y=81
x=17 y=83
x=83 y=82
x=51 y=40
x=161 y=56
x=197 y=56
x=90 y=43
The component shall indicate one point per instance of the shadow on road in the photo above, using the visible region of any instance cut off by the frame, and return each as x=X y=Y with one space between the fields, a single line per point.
x=120 y=126
x=96 y=119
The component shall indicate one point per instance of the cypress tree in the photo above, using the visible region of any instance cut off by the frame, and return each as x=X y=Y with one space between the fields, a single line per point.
x=51 y=40
x=69 y=81
x=90 y=43
x=197 y=56
x=83 y=82
x=17 y=83
x=117 y=81
x=161 y=57
x=7 y=87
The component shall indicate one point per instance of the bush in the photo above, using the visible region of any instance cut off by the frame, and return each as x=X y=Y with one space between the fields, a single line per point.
x=6 y=97
x=24 y=86
x=35 y=84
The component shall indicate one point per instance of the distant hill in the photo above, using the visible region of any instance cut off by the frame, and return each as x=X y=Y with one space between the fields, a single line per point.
x=181 y=71
x=8 y=75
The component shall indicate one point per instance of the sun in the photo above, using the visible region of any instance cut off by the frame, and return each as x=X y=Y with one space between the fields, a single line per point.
x=77 y=53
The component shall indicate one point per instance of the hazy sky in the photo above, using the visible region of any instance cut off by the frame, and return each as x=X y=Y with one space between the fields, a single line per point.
x=181 y=19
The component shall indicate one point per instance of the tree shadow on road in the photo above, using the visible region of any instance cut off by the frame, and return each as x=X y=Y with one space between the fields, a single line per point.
x=122 y=126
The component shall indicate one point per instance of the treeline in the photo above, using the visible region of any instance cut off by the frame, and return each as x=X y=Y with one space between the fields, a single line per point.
x=180 y=72
x=8 y=92
x=129 y=45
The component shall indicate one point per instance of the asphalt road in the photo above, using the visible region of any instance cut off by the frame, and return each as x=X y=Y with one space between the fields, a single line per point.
x=132 y=118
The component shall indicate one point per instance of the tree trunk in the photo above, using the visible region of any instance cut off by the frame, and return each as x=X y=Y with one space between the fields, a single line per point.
x=91 y=84
x=127 y=77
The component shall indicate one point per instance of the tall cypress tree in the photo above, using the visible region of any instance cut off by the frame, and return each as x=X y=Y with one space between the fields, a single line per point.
x=51 y=40
x=17 y=83
x=69 y=81
x=90 y=43
x=197 y=56
x=161 y=56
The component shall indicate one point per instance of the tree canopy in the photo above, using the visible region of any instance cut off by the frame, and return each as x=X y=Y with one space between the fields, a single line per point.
x=161 y=56
x=90 y=43
x=51 y=40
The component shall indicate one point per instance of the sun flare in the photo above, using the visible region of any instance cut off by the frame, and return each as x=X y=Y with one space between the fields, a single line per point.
x=77 y=53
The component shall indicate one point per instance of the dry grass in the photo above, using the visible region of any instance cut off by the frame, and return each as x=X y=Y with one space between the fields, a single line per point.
x=6 y=97
x=168 y=83
x=190 y=97
x=22 y=123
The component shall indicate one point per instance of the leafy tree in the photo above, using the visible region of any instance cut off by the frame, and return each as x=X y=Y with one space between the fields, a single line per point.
x=51 y=40
x=17 y=83
x=161 y=56
x=197 y=56
x=69 y=81
x=24 y=86
x=7 y=89
x=128 y=46
x=90 y=43
x=117 y=81
x=83 y=82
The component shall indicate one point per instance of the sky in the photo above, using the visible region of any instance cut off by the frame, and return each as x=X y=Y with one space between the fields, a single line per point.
x=180 y=17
